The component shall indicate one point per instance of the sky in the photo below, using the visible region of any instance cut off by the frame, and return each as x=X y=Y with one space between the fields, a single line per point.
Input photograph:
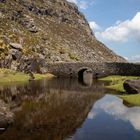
x=116 y=23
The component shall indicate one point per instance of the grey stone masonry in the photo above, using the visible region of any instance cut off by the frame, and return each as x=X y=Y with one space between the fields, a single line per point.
x=99 y=69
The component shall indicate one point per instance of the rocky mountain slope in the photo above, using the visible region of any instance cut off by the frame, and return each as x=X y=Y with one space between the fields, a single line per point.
x=34 y=32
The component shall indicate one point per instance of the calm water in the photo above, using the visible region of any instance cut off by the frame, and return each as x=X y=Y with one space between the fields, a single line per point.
x=64 y=109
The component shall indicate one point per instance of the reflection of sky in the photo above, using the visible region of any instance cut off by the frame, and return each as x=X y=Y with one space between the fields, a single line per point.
x=109 y=119
x=114 y=106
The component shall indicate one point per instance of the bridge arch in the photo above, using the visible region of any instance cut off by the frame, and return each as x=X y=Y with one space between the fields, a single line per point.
x=82 y=71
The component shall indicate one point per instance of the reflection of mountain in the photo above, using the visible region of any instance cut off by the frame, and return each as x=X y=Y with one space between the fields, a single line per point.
x=50 y=110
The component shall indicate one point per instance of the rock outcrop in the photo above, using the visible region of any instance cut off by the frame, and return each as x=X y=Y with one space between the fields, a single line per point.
x=47 y=31
x=132 y=86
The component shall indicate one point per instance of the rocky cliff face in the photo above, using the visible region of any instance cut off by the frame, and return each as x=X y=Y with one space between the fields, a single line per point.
x=34 y=32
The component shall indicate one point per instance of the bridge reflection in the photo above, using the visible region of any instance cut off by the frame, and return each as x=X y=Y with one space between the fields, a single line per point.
x=49 y=110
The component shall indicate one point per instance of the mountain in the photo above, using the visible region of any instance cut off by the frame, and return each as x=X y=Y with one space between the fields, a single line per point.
x=35 y=32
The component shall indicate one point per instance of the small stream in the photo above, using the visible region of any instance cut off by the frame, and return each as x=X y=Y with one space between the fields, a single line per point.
x=65 y=109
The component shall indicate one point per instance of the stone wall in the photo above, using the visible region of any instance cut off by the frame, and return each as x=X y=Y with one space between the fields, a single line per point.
x=99 y=69
x=123 y=68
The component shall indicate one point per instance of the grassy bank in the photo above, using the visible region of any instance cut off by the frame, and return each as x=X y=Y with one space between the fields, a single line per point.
x=9 y=76
x=132 y=99
x=116 y=82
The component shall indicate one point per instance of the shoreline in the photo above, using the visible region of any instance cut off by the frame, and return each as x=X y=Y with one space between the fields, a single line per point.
x=8 y=76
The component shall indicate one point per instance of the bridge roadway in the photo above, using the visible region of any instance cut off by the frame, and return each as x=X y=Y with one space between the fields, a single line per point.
x=75 y=69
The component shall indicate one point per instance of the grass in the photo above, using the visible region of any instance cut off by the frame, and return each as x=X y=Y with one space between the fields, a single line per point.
x=131 y=99
x=73 y=56
x=118 y=87
x=8 y=76
x=116 y=82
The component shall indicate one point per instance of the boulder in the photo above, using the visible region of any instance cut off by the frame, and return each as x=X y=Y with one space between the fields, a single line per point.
x=16 y=55
x=132 y=86
x=33 y=29
x=16 y=46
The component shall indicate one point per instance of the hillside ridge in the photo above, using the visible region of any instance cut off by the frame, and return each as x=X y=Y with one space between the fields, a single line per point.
x=35 y=32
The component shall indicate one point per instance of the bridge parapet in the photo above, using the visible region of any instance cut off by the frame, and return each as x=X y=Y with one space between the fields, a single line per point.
x=98 y=69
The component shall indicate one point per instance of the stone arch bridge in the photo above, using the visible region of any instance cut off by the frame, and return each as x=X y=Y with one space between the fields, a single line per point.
x=75 y=69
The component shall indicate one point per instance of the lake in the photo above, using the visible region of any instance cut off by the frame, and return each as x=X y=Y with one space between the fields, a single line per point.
x=66 y=109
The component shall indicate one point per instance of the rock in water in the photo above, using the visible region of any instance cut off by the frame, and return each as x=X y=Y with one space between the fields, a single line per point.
x=54 y=29
x=132 y=86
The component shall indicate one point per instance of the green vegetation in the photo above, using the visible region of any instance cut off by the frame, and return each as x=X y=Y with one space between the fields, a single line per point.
x=3 y=49
x=8 y=76
x=118 y=87
x=116 y=82
x=132 y=99
x=73 y=56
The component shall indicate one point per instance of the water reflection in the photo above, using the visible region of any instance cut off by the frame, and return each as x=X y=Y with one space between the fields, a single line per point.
x=114 y=107
x=64 y=109
x=109 y=119
x=49 y=110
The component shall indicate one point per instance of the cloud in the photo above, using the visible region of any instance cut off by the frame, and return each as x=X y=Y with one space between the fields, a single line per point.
x=135 y=58
x=113 y=106
x=94 y=26
x=126 y=58
x=122 y=30
x=82 y=4
x=73 y=1
x=92 y=115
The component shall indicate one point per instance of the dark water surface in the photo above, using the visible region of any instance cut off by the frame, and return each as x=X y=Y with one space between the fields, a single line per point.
x=64 y=109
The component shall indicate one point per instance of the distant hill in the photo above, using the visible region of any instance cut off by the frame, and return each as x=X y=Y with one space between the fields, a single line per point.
x=34 y=32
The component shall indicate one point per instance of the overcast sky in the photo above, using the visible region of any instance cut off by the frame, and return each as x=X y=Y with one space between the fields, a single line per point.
x=116 y=23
